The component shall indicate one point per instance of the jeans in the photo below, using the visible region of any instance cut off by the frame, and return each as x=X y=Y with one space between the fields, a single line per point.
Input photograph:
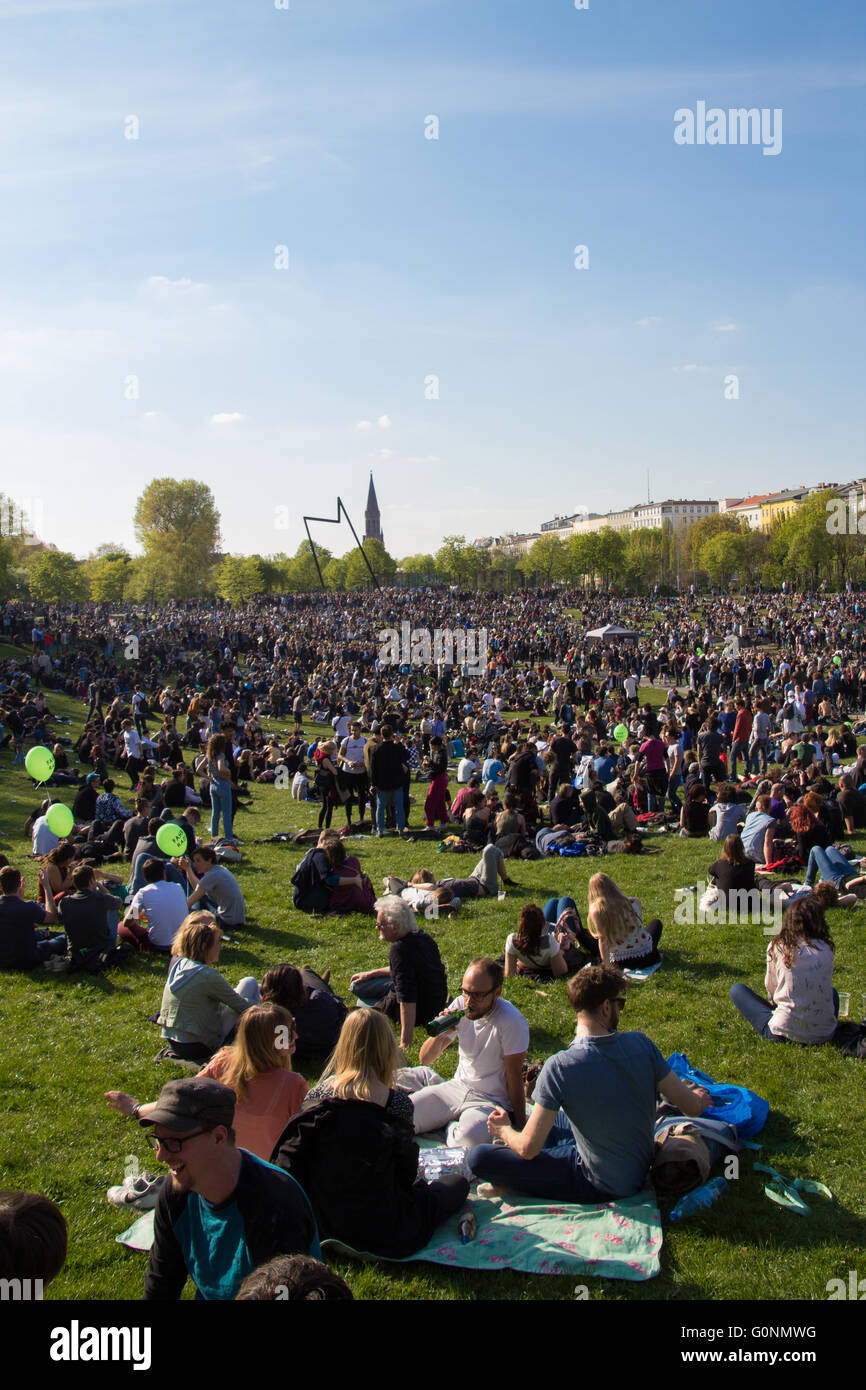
x=758 y=1011
x=830 y=864
x=556 y=1173
x=674 y=785
x=389 y=798
x=554 y=908
x=371 y=991
x=221 y=802
x=739 y=749
x=758 y=749
x=51 y=946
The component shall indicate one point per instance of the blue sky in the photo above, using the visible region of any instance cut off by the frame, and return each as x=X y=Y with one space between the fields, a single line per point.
x=154 y=259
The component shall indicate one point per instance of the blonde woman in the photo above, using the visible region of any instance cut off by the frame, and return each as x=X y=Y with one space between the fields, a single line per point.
x=258 y=1068
x=199 y=1007
x=617 y=923
x=352 y=1147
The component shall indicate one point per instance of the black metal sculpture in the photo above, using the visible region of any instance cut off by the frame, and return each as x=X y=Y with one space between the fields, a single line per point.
x=335 y=521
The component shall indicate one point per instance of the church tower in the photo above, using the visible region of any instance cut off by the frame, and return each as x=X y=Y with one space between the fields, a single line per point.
x=372 y=520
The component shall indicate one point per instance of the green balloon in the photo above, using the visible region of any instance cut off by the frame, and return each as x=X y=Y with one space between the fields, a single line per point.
x=700 y=653
x=39 y=763
x=171 y=839
x=620 y=733
x=837 y=661
x=59 y=819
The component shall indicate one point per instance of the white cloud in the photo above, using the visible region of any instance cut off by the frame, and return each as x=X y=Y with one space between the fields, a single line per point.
x=720 y=326
x=226 y=418
x=384 y=422
x=364 y=425
x=161 y=285
x=428 y=458
x=648 y=321
x=385 y=454
x=690 y=367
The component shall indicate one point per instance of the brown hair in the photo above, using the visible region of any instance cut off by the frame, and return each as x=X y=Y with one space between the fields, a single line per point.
x=593 y=986
x=803 y=923
x=530 y=929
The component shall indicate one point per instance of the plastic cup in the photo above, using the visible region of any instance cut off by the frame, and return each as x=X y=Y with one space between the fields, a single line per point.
x=844 y=1004
x=501 y=896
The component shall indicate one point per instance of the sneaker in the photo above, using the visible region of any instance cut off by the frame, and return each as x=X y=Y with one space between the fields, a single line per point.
x=57 y=964
x=141 y=1192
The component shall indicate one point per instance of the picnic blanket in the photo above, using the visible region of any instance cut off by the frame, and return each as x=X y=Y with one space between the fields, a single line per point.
x=616 y=1240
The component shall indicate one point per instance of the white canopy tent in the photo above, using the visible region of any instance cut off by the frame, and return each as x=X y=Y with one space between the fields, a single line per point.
x=612 y=632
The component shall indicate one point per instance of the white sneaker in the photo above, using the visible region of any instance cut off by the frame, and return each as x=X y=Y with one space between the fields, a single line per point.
x=141 y=1192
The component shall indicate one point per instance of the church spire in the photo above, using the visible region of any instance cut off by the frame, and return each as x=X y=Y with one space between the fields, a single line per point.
x=372 y=520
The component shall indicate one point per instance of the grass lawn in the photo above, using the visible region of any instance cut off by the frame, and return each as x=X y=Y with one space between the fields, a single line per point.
x=63 y=1042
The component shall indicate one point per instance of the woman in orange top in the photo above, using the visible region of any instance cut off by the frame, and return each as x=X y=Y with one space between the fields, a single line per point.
x=258 y=1068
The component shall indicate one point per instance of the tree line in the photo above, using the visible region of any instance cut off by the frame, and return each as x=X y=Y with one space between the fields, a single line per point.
x=178 y=527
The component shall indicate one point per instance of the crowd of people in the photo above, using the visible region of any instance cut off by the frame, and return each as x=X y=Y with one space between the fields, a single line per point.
x=754 y=747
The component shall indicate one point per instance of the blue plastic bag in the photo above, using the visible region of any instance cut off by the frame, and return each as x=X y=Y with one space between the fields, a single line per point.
x=736 y=1105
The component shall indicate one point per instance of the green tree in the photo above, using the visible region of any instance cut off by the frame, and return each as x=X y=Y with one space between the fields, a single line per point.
x=335 y=572
x=357 y=574
x=239 y=578
x=109 y=577
x=611 y=554
x=456 y=561
x=177 y=524
x=57 y=577
x=721 y=556
x=548 y=558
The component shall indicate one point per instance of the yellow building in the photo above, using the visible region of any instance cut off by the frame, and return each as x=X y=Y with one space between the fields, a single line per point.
x=780 y=505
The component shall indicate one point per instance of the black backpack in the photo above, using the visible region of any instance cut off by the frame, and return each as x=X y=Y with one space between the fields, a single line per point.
x=850 y=1038
x=305 y=878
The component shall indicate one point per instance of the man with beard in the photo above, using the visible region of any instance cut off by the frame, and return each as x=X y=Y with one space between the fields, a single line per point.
x=493 y=1038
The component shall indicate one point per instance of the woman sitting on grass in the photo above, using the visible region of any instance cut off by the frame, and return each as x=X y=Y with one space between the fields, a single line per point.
x=802 y=1005
x=258 y=1068
x=617 y=924
x=199 y=1007
x=352 y=1148
x=733 y=873
x=534 y=949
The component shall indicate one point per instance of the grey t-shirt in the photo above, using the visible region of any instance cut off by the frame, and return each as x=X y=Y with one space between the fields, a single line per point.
x=607 y=1087
x=222 y=888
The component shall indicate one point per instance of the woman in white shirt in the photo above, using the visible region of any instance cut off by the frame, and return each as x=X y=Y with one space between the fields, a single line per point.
x=533 y=948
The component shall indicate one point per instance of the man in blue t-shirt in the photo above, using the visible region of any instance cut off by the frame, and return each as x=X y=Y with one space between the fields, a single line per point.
x=222 y=1212
x=606 y=1084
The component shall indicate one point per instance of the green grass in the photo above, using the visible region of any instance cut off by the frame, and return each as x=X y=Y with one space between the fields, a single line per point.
x=63 y=1042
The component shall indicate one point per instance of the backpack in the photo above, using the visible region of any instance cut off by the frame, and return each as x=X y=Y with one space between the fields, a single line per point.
x=850 y=1038
x=305 y=878
x=226 y=851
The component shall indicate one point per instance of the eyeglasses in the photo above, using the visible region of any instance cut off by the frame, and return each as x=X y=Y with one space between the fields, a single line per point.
x=475 y=993
x=174 y=1146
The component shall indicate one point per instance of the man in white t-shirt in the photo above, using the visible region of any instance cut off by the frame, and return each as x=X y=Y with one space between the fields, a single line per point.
x=164 y=905
x=467 y=767
x=44 y=840
x=493 y=1038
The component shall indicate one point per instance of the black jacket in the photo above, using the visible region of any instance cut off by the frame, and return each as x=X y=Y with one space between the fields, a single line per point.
x=358 y=1162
